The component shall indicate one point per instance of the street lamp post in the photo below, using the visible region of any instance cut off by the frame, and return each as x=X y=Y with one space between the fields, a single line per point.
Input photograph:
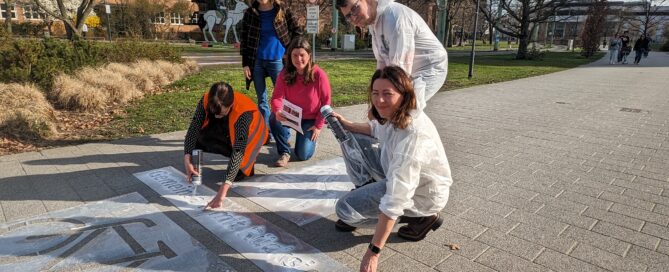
x=335 y=25
x=471 y=55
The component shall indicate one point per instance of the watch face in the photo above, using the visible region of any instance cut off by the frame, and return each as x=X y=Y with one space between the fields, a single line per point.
x=374 y=248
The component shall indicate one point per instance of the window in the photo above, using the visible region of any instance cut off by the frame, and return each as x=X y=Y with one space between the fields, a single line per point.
x=3 y=11
x=32 y=13
x=175 y=19
x=160 y=18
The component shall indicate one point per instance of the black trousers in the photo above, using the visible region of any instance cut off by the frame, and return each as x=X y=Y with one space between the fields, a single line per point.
x=215 y=138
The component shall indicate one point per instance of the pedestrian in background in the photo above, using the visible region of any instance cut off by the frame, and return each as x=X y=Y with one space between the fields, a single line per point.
x=641 y=47
x=307 y=86
x=614 y=47
x=267 y=29
x=625 y=48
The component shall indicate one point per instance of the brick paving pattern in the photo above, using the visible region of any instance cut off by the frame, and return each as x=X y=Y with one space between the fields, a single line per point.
x=562 y=172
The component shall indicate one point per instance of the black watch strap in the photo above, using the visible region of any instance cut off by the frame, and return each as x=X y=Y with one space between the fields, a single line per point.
x=374 y=248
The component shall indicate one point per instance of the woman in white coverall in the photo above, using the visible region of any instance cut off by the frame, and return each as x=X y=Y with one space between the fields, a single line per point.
x=409 y=153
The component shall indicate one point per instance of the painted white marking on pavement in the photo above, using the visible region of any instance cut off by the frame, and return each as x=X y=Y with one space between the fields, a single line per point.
x=300 y=195
x=110 y=235
x=266 y=245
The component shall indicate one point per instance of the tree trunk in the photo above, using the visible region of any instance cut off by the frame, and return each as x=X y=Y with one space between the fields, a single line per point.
x=523 y=41
x=450 y=36
x=491 y=33
x=524 y=37
x=8 y=16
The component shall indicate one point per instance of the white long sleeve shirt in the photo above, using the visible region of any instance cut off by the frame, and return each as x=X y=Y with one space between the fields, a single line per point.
x=401 y=37
x=417 y=171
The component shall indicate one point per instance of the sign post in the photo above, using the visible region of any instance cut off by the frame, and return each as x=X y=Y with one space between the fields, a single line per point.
x=108 y=11
x=312 y=25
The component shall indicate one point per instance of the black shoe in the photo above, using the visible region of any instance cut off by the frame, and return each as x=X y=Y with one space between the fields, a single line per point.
x=343 y=227
x=418 y=228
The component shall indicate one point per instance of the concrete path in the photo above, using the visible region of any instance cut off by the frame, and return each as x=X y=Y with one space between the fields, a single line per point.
x=564 y=172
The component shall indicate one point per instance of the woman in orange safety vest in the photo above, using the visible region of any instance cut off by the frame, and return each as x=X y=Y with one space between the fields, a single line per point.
x=228 y=123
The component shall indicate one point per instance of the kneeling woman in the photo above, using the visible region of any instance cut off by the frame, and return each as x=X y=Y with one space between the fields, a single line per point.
x=307 y=86
x=410 y=155
x=227 y=123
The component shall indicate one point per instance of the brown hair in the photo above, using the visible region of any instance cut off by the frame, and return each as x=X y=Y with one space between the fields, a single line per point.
x=220 y=95
x=291 y=70
x=403 y=84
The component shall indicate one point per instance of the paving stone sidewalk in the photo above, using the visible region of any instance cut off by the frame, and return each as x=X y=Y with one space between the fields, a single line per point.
x=564 y=172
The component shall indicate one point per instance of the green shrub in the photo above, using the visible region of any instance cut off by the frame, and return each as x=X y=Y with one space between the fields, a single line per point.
x=39 y=61
x=28 y=28
x=535 y=54
x=665 y=46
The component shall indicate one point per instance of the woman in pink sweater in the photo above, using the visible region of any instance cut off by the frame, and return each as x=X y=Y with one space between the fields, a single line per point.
x=305 y=85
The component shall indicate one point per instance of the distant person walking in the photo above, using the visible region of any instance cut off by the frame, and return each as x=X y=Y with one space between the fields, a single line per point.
x=625 y=48
x=614 y=47
x=641 y=47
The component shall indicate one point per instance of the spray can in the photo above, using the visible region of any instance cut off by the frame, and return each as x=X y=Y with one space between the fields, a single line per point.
x=196 y=158
x=338 y=130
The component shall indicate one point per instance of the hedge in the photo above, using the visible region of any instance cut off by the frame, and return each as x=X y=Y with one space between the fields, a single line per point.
x=40 y=60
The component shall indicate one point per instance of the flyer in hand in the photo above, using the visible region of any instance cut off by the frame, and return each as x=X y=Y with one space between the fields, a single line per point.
x=293 y=115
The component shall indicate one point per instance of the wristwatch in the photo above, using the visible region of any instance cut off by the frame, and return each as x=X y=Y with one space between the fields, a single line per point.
x=374 y=248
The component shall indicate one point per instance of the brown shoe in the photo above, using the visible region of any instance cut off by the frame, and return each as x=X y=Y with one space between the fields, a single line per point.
x=418 y=228
x=283 y=160
x=343 y=227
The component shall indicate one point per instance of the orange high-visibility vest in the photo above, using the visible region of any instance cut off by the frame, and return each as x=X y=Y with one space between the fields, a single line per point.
x=258 y=131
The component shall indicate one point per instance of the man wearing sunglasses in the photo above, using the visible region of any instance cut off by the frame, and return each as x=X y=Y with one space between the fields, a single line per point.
x=401 y=37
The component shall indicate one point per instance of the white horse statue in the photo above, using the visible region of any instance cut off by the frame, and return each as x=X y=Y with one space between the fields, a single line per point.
x=214 y=17
x=234 y=16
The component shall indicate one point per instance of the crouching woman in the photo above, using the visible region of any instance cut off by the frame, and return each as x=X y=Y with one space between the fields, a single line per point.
x=409 y=153
x=228 y=123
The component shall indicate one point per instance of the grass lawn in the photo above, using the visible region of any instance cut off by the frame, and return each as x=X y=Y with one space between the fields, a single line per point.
x=503 y=45
x=349 y=79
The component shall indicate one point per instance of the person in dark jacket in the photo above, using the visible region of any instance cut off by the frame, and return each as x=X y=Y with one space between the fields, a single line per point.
x=625 y=48
x=267 y=28
x=641 y=47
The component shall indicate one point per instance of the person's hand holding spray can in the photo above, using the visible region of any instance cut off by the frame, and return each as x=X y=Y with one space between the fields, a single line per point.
x=196 y=158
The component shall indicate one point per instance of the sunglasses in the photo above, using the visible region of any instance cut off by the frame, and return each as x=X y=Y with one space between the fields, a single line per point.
x=355 y=8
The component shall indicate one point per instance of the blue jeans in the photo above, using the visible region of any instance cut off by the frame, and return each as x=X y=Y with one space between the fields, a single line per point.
x=304 y=146
x=261 y=70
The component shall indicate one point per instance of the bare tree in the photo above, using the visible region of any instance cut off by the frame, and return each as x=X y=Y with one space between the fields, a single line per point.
x=646 y=18
x=59 y=9
x=492 y=14
x=524 y=15
x=594 y=27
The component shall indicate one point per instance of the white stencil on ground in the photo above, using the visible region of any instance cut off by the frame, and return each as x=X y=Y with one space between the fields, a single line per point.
x=266 y=245
x=110 y=235
x=300 y=195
